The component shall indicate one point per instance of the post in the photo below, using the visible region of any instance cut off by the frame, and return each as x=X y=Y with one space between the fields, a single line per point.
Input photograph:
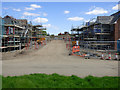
x=69 y=42
x=20 y=47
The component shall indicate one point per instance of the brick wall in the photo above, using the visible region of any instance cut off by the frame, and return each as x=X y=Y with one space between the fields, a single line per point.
x=117 y=32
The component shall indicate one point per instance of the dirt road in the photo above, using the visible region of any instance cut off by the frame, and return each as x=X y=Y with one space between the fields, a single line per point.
x=53 y=58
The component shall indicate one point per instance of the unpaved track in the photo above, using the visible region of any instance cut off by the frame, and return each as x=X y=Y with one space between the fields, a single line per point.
x=53 y=58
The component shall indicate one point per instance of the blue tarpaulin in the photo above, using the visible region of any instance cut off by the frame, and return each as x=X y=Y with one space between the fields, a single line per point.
x=97 y=30
x=118 y=46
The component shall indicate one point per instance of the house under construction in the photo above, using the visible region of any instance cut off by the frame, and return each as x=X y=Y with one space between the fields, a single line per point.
x=100 y=34
x=16 y=33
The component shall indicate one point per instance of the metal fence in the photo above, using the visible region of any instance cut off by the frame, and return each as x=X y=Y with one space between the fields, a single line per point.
x=96 y=49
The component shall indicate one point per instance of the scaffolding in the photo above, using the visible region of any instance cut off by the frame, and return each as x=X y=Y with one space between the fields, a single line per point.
x=99 y=32
x=17 y=34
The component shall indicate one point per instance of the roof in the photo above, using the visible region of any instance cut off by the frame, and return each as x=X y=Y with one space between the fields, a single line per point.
x=101 y=20
x=37 y=26
x=114 y=14
x=115 y=17
x=108 y=19
x=9 y=17
x=78 y=29
x=89 y=23
x=104 y=19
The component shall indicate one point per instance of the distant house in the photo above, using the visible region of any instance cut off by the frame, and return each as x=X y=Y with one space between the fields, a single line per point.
x=64 y=35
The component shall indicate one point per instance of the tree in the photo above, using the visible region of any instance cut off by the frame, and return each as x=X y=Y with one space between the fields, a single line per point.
x=52 y=35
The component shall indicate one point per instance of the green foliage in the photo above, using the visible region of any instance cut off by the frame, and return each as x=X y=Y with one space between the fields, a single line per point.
x=58 y=81
x=52 y=35
x=44 y=33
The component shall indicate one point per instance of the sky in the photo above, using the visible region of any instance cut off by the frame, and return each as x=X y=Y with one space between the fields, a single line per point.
x=58 y=17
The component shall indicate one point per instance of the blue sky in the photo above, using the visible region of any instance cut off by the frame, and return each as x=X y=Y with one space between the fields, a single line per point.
x=58 y=16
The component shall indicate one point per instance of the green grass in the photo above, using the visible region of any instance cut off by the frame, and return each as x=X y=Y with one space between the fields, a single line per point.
x=58 y=81
x=0 y=82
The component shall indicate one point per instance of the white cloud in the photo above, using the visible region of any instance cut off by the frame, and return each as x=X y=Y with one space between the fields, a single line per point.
x=117 y=7
x=53 y=27
x=45 y=14
x=32 y=7
x=30 y=14
x=26 y=8
x=66 y=12
x=86 y=20
x=47 y=25
x=75 y=19
x=35 y=6
x=5 y=8
x=18 y=10
x=92 y=7
x=40 y=20
x=22 y=17
x=97 y=10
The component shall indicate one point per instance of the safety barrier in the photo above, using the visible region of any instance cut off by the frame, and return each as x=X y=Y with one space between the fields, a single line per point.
x=36 y=45
x=109 y=57
x=105 y=50
x=102 y=56
x=76 y=49
x=116 y=56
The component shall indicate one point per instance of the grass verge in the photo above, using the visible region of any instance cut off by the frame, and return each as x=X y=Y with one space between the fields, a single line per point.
x=58 y=81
